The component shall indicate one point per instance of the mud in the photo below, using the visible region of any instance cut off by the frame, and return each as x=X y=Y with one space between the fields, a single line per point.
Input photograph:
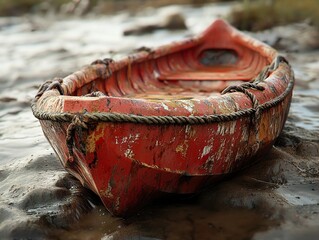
x=277 y=198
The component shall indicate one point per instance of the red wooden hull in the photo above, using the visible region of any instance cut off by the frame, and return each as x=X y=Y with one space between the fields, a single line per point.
x=128 y=163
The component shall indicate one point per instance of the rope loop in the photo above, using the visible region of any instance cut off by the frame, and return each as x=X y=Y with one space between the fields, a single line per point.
x=105 y=61
x=254 y=84
x=244 y=90
x=269 y=69
x=95 y=94
x=49 y=85
x=77 y=123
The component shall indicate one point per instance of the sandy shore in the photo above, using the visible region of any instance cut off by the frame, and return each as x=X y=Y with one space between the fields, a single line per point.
x=278 y=197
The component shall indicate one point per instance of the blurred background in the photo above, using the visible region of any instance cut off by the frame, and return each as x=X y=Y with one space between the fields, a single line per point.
x=252 y=15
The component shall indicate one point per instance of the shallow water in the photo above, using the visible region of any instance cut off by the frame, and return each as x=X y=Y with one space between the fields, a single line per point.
x=278 y=197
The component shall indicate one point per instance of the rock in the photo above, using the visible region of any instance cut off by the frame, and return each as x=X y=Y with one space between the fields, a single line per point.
x=174 y=21
x=7 y=99
x=293 y=37
x=308 y=148
x=297 y=37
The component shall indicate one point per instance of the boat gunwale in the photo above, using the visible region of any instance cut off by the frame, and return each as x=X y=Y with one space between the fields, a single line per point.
x=42 y=109
x=174 y=119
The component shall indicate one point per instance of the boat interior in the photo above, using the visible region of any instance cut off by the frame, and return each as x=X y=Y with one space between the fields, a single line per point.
x=198 y=68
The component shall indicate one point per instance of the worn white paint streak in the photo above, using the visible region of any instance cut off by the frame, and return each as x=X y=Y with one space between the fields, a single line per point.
x=124 y=140
x=129 y=153
x=131 y=138
x=221 y=148
x=156 y=74
x=108 y=192
x=226 y=128
x=188 y=105
x=206 y=150
x=188 y=129
x=232 y=127
x=165 y=106
x=53 y=129
x=221 y=129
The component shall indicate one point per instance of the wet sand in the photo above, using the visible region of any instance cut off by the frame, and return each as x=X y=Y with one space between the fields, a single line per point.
x=276 y=198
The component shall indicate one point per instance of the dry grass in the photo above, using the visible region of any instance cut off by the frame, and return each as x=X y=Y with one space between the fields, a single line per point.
x=260 y=15
x=19 y=7
x=136 y=5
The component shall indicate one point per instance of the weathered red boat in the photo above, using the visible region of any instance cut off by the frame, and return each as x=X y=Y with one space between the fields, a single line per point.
x=168 y=120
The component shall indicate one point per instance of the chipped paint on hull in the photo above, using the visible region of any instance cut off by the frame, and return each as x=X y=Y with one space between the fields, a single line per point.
x=206 y=150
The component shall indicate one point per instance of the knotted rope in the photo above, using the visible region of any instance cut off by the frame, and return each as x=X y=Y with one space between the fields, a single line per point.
x=105 y=61
x=49 y=85
x=253 y=84
x=77 y=123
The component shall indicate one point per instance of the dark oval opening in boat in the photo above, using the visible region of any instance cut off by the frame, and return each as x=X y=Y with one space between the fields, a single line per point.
x=218 y=57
